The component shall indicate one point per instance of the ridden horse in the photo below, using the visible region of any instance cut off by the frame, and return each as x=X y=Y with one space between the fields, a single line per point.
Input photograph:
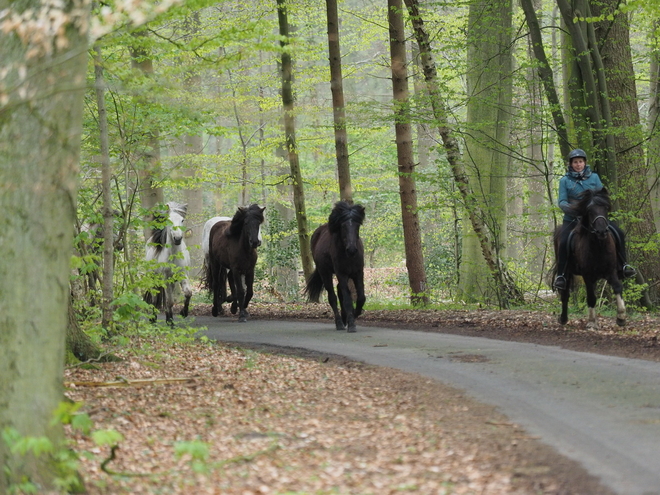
x=167 y=250
x=592 y=253
x=233 y=255
x=337 y=249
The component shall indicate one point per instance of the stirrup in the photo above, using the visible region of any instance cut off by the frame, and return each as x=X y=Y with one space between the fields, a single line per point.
x=628 y=271
x=560 y=282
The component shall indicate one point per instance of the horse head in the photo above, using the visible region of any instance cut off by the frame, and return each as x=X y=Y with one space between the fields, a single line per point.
x=595 y=207
x=177 y=215
x=247 y=221
x=346 y=220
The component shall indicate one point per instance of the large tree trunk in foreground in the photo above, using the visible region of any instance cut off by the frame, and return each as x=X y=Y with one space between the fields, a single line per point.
x=40 y=124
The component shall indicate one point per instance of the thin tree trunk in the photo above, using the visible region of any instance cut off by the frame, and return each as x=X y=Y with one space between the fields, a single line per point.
x=338 y=111
x=509 y=291
x=406 y=162
x=291 y=147
x=108 y=216
x=151 y=194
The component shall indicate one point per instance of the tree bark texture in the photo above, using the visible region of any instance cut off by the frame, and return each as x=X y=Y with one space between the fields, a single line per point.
x=406 y=163
x=290 y=137
x=41 y=101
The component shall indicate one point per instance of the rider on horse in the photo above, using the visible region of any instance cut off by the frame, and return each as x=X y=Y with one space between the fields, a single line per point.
x=578 y=179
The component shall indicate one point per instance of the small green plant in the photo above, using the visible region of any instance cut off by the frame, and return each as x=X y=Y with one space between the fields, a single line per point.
x=198 y=452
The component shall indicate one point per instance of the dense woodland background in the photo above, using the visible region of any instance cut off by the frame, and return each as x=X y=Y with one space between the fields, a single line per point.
x=194 y=114
x=448 y=121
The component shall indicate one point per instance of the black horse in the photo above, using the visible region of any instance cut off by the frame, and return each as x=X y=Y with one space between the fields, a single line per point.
x=592 y=253
x=233 y=254
x=337 y=249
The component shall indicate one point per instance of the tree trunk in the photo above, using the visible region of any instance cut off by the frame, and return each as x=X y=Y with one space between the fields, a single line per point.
x=406 y=163
x=489 y=107
x=653 y=158
x=613 y=38
x=108 y=216
x=43 y=86
x=80 y=345
x=151 y=193
x=338 y=112
x=290 y=133
x=508 y=292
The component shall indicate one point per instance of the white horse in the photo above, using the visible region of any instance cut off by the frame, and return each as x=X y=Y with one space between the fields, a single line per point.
x=168 y=250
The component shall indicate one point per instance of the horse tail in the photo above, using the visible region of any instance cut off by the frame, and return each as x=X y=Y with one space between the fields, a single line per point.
x=314 y=287
x=157 y=300
x=206 y=276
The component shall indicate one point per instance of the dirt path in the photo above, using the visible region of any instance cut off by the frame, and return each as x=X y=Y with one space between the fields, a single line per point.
x=255 y=422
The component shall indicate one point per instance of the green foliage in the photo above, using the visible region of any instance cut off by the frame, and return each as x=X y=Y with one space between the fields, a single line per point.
x=197 y=451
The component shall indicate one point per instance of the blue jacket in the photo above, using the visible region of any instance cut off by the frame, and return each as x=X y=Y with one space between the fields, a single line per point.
x=573 y=184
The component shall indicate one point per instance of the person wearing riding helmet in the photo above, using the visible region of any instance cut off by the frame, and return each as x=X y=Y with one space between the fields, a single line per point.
x=578 y=179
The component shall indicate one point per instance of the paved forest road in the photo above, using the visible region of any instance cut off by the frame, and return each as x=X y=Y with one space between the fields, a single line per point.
x=601 y=411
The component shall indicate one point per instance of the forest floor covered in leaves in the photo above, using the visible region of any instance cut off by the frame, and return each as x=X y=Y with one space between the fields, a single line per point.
x=217 y=419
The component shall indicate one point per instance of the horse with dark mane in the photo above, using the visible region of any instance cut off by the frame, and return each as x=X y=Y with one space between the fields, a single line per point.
x=233 y=255
x=167 y=249
x=337 y=249
x=592 y=253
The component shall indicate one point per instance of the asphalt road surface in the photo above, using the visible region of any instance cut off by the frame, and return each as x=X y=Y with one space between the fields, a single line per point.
x=601 y=411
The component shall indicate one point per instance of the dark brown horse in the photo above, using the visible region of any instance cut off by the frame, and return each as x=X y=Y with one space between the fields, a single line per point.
x=592 y=253
x=337 y=249
x=233 y=254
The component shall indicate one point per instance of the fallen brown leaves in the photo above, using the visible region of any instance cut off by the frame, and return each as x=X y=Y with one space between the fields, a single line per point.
x=281 y=424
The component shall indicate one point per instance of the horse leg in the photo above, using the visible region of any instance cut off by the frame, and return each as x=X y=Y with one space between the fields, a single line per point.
x=617 y=287
x=565 y=293
x=591 y=303
x=249 y=291
x=361 y=298
x=346 y=300
x=232 y=299
x=169 y=304
x=239 y=296
x=187 y=293
x=216 y=287
x=332 y=299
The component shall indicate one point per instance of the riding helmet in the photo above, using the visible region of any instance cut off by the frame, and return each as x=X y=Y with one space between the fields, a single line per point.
x=576 y=153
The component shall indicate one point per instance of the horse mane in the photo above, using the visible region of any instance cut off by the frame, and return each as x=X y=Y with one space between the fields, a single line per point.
x=343 y=212
x=237 y=222
x=600 y=197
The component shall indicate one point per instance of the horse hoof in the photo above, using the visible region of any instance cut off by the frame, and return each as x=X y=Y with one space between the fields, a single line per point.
x=562 y=321
x=214 y=311
x=352 y=329
x=242 y=319
x=340 y=328
x=621 y=322
x=184 y=313
x=234 y=308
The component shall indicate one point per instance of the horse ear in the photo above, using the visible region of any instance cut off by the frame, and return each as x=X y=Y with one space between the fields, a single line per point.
x=263 y=209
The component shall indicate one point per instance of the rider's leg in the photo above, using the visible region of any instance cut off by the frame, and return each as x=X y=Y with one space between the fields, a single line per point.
x=560 y=282
x=623 y=267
